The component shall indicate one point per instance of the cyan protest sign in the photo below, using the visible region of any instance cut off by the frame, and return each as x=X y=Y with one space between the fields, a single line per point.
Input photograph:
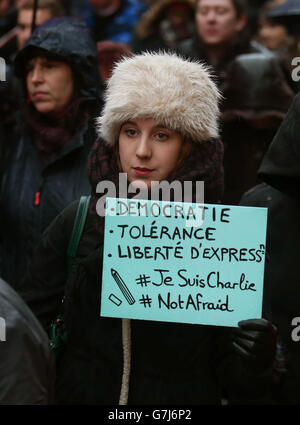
x=180 y=262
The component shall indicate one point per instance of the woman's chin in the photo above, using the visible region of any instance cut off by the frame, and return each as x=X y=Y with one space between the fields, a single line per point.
x=48 y=109
x=44 y=109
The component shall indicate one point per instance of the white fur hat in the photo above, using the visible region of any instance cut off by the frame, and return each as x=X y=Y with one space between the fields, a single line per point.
x=175 y=92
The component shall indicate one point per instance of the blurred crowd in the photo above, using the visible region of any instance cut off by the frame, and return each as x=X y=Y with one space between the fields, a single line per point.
x=71 y=47
x=202 y=32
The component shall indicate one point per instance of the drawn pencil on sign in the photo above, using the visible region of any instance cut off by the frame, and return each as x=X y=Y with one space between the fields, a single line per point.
x=123 y=287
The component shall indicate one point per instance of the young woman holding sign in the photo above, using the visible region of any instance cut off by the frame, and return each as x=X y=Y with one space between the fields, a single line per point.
x=159 y=123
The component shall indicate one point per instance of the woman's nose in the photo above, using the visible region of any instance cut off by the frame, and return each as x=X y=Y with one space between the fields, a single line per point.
x=143 y=149
x=36 y=75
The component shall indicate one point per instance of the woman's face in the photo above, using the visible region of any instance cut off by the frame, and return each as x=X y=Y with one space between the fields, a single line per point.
x=148 y=151
x=272 y=35
x=49 y=84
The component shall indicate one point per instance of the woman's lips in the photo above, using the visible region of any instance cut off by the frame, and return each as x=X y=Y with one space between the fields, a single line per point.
x=39 y=95
x=142 y=172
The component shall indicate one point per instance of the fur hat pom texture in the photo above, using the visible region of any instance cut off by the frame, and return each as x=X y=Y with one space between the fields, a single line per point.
x=176 y=93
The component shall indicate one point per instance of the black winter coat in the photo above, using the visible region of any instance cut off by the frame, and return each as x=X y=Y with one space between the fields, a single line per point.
x=170 y=363
x=193 y=48
x=31 y=195
x=31 y=198
x=255 y=92
x=280 y=171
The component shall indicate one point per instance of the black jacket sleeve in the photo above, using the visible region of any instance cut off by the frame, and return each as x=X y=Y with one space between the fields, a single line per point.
x=43 y=285
x=26 y=365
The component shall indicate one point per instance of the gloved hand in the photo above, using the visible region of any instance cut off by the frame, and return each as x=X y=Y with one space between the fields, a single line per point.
x=255 y=340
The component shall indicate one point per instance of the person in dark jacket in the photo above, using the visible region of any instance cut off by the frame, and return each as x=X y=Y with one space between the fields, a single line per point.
x=110 y=361
x=27 y=372
x=256 y=97
x=220 y=35
x=115 y=20
x=8 y=27
x=288 y=15
x=45 y=165
x=46 y=10
x=109 y=53
x=164 y=25
x=279 y=192
x=272 y=34
x=11 y=90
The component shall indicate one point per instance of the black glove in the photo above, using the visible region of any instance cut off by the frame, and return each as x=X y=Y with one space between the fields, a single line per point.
x=255 y=340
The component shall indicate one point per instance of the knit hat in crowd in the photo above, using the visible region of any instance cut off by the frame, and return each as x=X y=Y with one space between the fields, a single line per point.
x=177 y=93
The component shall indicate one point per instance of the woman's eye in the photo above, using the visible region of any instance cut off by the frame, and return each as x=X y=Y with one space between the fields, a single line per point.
x=162 y=136
x=29 y=67
x=130 y=132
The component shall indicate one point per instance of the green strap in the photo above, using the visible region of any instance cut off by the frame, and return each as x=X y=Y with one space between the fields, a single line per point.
x=78 y=228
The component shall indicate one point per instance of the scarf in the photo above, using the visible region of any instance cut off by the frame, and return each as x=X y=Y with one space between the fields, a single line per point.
x=51 y=134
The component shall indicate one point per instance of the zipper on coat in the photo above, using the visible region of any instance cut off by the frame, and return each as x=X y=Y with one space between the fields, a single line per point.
x=37 y=196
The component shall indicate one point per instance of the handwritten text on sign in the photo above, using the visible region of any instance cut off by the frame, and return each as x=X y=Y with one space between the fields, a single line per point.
x=189 y=263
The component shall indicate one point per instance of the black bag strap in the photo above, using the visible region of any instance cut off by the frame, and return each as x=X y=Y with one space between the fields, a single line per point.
x=58 y=334
x=78 y=227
